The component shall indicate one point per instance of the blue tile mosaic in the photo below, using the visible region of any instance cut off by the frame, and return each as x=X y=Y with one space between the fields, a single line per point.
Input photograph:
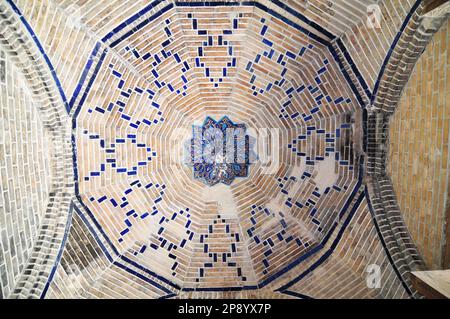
x=220 y=151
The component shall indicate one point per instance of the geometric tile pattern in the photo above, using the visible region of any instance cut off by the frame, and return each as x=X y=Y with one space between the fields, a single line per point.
x=144 y=223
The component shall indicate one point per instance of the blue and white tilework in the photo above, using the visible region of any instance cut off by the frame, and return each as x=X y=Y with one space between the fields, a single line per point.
x=172 y=65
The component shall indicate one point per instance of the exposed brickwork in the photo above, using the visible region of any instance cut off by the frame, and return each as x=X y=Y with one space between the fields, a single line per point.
x=418 y=148
x=118 y=86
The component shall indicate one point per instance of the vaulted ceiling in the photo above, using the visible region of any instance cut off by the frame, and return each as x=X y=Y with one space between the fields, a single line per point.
x=136 y=78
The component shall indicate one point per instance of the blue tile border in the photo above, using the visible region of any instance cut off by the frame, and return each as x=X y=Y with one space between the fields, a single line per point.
x=151 y=273
x=84 y=74
x=346 y=76
x=296 y=294
x=41 y=49
x=246 y=3
x=86 y=91
x=144 y=278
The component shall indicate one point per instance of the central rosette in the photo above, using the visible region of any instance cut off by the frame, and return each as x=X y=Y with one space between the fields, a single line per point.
x=220 y=151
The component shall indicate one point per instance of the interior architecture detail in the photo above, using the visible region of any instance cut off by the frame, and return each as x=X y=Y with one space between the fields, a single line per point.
x=223 y=149
x=219 y=151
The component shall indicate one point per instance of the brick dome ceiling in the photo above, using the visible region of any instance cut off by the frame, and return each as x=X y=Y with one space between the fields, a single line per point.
x=159 y=73
x=286 y=205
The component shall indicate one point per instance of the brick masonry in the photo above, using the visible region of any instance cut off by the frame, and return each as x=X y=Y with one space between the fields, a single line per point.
x=125 y=83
